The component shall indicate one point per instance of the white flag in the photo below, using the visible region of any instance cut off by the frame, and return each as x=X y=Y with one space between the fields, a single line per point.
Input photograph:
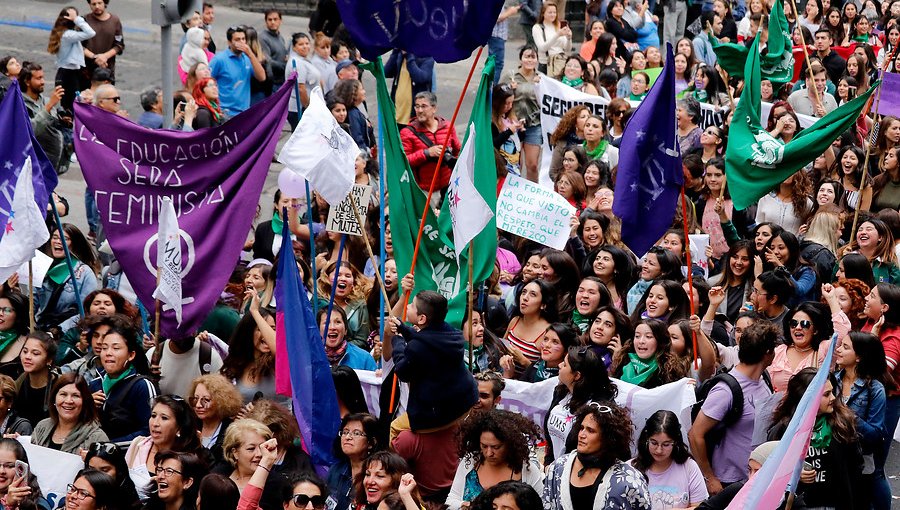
x=321 y=151
x=25 y=229
x=168 y=259
x=468 y=210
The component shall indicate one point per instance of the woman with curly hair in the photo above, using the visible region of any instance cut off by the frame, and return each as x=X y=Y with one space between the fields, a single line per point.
x=216 y=402
x=100 y=303
x=509 y=494
x=569 y=131
x=833 y=449
x=788 y=205
x=647 y=360
x=673 y=477
x=350 y=294
x=494 y=446
x=597 y=474
x=851 y=298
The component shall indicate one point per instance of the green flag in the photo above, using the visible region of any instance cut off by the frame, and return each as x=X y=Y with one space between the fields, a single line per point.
x=755 y=161
x=436 y=264
x=777 y=64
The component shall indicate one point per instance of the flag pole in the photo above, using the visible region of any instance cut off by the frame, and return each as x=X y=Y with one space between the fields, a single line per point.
x=337 y=272
x=71 y=266
x=470 y=301
x=156 y=303
x=309 y=222
x=690 y=277
x=382 y=184
x=815 y=91
x=365 y=236
x=31 y=295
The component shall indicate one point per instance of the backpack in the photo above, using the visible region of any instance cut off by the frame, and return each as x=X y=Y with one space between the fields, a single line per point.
x=734 y=413
x=204 y=360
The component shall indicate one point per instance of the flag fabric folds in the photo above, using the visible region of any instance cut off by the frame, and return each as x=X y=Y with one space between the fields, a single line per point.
x=214 y=177
x=469 y=212
x=301 y=365
x=767 y=488
x=447 y=30
x=777 y=65
x=25 y=229
x=19 y=144
x=321 y=151
x=168 y=259
x=436 y=266
x=650 y=173
x=755 y=161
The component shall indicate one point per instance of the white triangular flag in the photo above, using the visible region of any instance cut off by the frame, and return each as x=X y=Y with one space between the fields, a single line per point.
x=168 y=259
x=321 y=151
x=468 y=210
x=25 y=230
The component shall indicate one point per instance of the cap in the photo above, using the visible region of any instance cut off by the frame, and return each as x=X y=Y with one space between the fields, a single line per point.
x=343 y=64
x=762 y=452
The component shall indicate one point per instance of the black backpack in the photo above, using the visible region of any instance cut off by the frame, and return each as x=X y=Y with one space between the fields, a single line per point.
x=734 y=413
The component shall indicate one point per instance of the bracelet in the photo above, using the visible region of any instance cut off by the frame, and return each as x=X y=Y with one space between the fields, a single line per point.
x=264 y=467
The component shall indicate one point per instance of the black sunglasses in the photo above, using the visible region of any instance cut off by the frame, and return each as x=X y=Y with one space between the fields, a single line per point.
x=804 y=324
x=107 y=448
x=302 y=501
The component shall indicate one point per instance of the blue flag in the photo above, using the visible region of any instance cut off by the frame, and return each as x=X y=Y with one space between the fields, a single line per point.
x=446 y=30
x=298 y=339
x=18 y=142
x=650 y=174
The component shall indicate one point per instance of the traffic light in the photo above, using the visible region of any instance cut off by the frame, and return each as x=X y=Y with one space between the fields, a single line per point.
x=169 y=12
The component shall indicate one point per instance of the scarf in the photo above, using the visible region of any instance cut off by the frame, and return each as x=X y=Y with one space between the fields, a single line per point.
x=821 y=436
x=202 y=100
x=544 y=372
x=59 y=272
x=637 y=370
x=635 y=97
x=108 y=382
x=590 y=462
x=336 y=353
x=7 y=338
x=598 y=152
x=700 y=95
x=582 y=321
x=577 y=82
x=277 y=223
x=478 y=364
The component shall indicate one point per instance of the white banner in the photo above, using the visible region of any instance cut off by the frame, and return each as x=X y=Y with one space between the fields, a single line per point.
x=534 y=212
x=53 y=469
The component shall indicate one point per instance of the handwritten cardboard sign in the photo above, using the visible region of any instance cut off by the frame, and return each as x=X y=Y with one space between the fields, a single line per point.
x=341 y=218
x=534 y=212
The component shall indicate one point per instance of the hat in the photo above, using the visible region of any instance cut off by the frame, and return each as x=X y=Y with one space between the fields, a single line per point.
x=762 y=452
x=343 y=64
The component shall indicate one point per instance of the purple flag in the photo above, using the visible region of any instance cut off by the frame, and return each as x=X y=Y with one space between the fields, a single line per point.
x=213 y=176
x=650 y=174
x=446 y=30
x=890 y=95
x=18 y=142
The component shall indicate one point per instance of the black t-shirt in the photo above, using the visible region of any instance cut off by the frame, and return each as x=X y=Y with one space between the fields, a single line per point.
x=30 y=403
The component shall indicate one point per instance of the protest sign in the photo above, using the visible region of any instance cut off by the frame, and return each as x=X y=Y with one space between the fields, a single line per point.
x=54 y=470
x=341 y=218
x=534 y=212
x=555 y=99
x=698 y=244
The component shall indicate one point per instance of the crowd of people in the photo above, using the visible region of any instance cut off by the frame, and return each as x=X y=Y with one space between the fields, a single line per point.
x=185 y=423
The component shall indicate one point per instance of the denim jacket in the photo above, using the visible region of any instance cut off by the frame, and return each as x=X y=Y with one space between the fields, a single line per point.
x=87 y=283
x=71 y=52
x=868 y=402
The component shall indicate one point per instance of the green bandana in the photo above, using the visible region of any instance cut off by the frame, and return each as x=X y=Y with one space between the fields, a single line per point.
x=108 y=382
x=277 y=223
x=476 y=359
x=577 y=82
x=821 y=436
x=59 y=272
x=581 y=321
x=544 y=372
x=637 y=370
x=598 y=152
x=633 y=97
x=7 y=338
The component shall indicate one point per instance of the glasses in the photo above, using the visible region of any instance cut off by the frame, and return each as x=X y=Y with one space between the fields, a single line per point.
x=203 y=402
x=117 y=99
x=351 y=433
x=758 y=293
x=168 y=471
x=665 y=445
x=5 y=310
x=77 y=493
x=506 y=88
x=602 y=409
x=302 y=501
x=157 y=399
x=617 y=113
x=421 y=106
x=107 y=448
x=804 y=324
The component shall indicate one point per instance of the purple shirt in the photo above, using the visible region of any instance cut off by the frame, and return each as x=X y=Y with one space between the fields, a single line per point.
x=729 y=458
x=677 y=486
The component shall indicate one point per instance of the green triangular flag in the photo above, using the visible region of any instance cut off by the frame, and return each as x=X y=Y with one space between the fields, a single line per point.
x=777 y=65
x=755 y=161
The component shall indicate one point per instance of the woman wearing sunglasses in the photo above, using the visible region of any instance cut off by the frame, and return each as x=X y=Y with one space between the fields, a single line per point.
x=807 y=333
x=91 y=490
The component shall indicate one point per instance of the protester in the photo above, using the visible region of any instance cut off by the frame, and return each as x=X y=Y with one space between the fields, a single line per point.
x=72 y=425
x=100 y=51
x=233 y=68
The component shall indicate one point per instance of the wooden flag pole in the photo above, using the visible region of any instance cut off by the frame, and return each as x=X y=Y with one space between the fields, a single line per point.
x=31 y=295
x=470 y=301
x=365 y=236
x=806 y=55
x=690 y=277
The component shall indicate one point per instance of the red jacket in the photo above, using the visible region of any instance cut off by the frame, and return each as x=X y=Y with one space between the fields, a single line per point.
x=423 y=165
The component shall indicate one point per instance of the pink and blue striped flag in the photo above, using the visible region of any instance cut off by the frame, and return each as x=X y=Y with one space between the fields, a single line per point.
x=782 y=468
x=301 y=367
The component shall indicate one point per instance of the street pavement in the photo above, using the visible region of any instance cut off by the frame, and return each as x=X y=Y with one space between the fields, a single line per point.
x=24 y=30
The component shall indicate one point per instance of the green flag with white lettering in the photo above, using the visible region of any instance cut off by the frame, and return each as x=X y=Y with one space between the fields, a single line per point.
x=777 y=65
x=755 y=161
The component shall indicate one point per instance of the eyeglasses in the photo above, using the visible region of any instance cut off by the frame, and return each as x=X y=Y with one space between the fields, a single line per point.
x=351 y=433
x=302 y=501
x=804 y=324
x=421 y=106
x=6 y=310
x=758 y=293
x=107 y=448
x=117 y=99
x=77 y=493
x=168 y=471
x=665 y=445
x=204 y=402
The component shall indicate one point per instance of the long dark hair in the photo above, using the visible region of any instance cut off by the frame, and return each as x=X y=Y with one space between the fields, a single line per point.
x=186 y=421
x=594 y=383
x=88 y=412
x=525 y=496
x=549 y=311
x=105 y=488
x=733 y=251
x=820 y=316
x=242 y=351
x=19 y=304
x=19 y=453
x=842 y=420
x=218 y=492
x=678 y=301
x=670 y=367
x=857 y=266
x=660 y=422
x=872 y=365
x=616 y=429
x=890 y=295
x=348 y=388
x=623 y=275
x=109 y=452
x=61 y=24
x=795 y=262
x=392 y=464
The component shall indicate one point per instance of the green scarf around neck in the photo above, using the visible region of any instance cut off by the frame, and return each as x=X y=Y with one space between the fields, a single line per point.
x=637 y=370
x=581 y=321
x=577 y=82
x=821 y=436
x=108 y=382
x=7 y=338
x=277 y=223
x=598 y=152
x=59 y=272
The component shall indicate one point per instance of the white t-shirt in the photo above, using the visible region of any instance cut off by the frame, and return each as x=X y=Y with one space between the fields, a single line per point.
x=179 y=370
x=559 y=423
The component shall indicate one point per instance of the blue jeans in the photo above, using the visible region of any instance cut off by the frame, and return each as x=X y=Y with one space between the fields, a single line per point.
x=882 y=495
x=90 y=209
x=497 y=48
